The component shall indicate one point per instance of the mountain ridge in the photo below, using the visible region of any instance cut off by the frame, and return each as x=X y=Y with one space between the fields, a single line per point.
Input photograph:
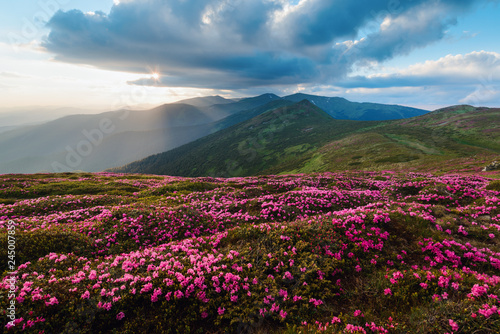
x=162 y=128
x=254 y=147
x=341 y=108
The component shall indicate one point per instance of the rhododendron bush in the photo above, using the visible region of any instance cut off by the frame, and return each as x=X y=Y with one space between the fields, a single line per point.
x=336 y=253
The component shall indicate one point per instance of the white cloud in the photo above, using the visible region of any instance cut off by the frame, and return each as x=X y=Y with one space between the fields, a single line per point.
x=473 y=65
x=469 y=69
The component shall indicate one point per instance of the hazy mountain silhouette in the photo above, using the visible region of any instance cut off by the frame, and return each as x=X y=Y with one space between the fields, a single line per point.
x=100 y=141
x=131 y=135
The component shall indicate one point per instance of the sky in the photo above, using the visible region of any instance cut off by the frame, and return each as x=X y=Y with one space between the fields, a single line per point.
x=105 y=54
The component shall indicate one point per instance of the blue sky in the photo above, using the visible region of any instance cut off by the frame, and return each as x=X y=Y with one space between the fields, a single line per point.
x=107 y=54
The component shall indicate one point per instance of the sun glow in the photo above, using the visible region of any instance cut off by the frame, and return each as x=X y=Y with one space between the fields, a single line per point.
x=155 y=76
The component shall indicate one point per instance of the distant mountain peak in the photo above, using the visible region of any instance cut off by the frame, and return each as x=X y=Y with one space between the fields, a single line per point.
x=206 y=101
x=268 y=96
x=341 y=108
x=307 y=103
x=299 y=96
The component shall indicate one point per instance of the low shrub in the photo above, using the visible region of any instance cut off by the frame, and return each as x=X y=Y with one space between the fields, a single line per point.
x=30 y=246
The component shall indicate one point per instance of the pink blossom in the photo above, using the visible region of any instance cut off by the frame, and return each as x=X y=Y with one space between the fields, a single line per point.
x=52 y=301
x=479 y=290
x=354 y=329
x=275 y=307
x=178 y=294
x=358 y=313
x=316 y=302
x=453 y=324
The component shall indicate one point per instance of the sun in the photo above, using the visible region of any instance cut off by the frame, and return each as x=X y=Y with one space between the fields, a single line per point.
x=155 y=76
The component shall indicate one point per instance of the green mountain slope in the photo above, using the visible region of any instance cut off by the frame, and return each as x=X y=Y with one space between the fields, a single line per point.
x=301 y=138
x=439 y=141
x=245 y=115
x=286 y=136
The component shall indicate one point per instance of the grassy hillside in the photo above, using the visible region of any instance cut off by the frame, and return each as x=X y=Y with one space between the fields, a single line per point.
x=245 y=115
x=349 y=252
x=301 y=138
x=460 y=138
x=287 y=136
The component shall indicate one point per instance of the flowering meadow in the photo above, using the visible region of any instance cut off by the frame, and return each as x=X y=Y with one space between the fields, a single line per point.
x=373 y=252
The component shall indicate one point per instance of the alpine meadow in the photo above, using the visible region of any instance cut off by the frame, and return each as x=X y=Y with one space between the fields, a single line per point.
x=250 y=166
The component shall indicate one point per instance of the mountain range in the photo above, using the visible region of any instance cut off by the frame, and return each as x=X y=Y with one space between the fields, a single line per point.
x=101 y=141
x=340 y=108
x=303 y=138
x=13 y=118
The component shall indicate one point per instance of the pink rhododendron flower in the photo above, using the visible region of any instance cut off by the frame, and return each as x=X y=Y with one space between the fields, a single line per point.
x=52 y=301
x=453 y=324
x=358 y=313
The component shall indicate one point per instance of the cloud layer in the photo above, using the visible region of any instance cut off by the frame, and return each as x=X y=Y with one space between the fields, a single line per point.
x=469 y=69
x=233 y=44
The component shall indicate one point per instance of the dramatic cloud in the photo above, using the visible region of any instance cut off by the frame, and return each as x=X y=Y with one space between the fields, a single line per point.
x=232 y=44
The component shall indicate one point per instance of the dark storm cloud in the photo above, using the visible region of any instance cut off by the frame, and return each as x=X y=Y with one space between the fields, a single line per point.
x=248 y=43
